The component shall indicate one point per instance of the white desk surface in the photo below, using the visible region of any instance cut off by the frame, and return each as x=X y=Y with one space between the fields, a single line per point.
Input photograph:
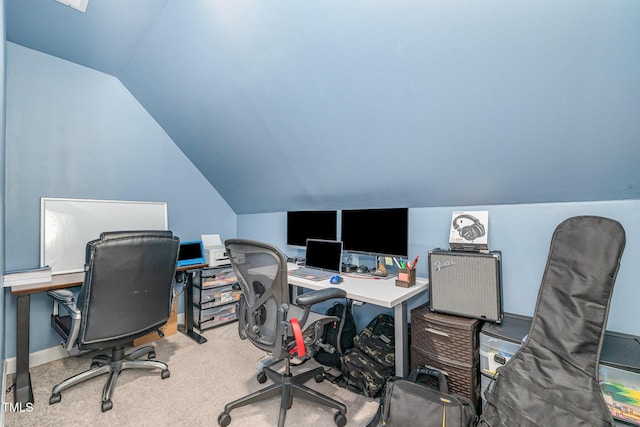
x=373 y=290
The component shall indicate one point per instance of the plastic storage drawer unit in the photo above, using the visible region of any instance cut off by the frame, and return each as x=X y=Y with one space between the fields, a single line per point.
x=218 y=295
x=215 y=316
x=619 y=376
x=217 y=276
x=461 y=378
x=449 y=344
x=498 y=343
x=443 y=335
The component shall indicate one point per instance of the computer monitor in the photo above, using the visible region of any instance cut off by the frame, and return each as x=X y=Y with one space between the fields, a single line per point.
x=376 y=231
x=324 y=254
x=303 y=225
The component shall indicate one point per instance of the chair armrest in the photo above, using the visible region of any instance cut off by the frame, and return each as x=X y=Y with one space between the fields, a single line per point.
x=314 y=297
x=66 y=298
x=63 y=296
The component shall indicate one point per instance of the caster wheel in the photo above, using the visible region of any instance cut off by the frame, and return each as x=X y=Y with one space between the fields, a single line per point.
x=340 y=419
x=55 y=398
x=165 y=374
x=224 y=419
x=262 y=377
x=94 y=365
x=319 y=378
x=107 y=405
x=151 y=355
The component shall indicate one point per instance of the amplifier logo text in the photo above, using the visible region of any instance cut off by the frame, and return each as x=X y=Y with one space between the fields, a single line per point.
x=441 y=265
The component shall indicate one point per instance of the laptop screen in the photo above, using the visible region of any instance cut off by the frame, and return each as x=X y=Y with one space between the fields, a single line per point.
x=191 y=253
x=324 y=254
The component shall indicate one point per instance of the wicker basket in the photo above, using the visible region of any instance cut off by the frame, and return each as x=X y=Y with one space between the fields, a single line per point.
x=461 y=379
x=445 y=336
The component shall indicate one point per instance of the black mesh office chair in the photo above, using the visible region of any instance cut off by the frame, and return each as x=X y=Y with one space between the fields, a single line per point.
x=126 y=294
x=281 y=329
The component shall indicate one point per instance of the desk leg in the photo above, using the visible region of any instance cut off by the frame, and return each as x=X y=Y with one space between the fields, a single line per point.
x=294 y=291
x=402 y=339
x=23 y=392
x=187 y=328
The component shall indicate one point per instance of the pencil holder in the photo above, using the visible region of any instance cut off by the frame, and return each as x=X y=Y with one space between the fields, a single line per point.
x=406 y=277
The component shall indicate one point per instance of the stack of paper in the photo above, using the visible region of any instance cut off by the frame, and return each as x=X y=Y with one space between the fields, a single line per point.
x=27 y=277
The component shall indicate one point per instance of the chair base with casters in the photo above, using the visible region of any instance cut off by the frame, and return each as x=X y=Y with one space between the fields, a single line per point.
x=112 y=365
x=287 y=386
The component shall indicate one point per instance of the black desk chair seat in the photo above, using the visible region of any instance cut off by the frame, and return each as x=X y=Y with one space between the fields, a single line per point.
x=125 y=295
x=281 y=329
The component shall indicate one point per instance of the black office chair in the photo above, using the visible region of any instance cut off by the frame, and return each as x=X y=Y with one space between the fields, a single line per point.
x=274 y=325
x=126 y=294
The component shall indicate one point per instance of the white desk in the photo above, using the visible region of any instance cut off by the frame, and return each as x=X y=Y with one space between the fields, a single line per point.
x=379 y=291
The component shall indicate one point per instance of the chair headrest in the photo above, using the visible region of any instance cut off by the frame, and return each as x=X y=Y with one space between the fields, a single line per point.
x=109 y=235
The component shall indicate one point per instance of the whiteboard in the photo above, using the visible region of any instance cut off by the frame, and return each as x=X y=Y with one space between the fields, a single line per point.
x=66 y=225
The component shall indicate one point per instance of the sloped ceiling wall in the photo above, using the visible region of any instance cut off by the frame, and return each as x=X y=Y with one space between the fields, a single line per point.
x=286 y=104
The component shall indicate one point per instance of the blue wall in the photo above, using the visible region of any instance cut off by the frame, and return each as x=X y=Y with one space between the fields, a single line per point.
x=75 y=132
x=523 y=234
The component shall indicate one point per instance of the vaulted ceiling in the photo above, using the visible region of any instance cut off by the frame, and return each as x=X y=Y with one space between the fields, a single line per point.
x=290 y=104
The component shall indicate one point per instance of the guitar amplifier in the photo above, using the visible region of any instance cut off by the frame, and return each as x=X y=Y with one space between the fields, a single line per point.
x=467 y=284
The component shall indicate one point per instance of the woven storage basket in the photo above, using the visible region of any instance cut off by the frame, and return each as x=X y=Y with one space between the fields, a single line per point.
x=461 y=379
x=445 y=336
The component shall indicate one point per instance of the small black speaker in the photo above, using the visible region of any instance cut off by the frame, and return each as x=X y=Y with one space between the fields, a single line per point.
x=467 y=284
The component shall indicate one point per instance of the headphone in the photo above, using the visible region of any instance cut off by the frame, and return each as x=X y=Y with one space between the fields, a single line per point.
x=469 y=232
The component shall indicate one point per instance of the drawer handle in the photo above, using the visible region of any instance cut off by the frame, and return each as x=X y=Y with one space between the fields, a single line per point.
x=437 y=332
x=499 y=359
x=443 y=372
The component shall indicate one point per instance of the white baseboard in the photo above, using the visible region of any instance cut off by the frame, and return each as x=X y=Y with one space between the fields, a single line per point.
x=47 y=355
x=38 y=358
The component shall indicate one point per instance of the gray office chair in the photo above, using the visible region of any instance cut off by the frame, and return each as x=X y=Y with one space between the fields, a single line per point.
x=279 y=328
x=126 y=294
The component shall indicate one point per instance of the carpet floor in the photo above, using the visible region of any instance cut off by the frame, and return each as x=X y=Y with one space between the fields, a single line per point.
x=203 y=379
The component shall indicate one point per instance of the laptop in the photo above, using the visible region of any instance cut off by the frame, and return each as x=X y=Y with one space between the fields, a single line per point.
x=323 y=260
x=191 y=253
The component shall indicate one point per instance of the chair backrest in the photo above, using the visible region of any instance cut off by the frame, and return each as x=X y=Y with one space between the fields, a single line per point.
x=127 y=286
x=261 y=271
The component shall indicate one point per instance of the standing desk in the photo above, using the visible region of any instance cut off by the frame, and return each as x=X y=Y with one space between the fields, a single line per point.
x=23 y=393
x=378 y=291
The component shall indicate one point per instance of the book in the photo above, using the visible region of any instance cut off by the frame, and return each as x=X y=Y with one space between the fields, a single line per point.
x=27 y=276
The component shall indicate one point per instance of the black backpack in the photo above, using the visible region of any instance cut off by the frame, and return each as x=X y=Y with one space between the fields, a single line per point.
x=371 y=361
x=338 y=334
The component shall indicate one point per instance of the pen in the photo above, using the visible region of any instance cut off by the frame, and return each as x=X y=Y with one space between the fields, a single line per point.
x=415 y=261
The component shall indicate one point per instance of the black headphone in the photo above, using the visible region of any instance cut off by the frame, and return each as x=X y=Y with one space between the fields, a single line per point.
x=469 y=232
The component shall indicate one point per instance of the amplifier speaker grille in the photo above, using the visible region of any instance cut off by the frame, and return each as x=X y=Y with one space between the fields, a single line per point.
x=467 y=284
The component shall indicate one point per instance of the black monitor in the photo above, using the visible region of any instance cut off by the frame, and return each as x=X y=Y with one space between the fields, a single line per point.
x=303 y=225
x=324 y=254
x=376 y=231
